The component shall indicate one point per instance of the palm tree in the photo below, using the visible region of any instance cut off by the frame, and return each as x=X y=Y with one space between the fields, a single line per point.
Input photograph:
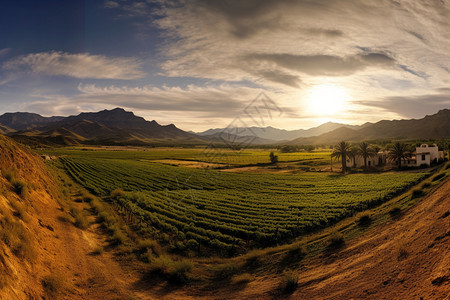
x=365 y=151
x=342 y=150
x=352 y=154
x=398 y=152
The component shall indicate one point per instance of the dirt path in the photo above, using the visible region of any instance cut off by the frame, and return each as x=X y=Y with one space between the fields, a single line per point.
x=67 y=252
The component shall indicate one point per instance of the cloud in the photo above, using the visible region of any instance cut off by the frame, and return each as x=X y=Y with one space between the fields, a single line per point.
x=413 y=106
x=111 y=4
x=198 y=106
x=326 y=65
x=4 y=51
x=81 y=65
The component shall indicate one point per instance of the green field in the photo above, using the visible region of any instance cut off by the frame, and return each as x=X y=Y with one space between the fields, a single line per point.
x=220 y=156
x=223 y=210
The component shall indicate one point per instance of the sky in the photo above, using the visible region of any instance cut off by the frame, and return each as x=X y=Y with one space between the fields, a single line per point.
x=200 y=63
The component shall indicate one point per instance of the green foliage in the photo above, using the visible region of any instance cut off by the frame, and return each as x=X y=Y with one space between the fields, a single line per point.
x=273 y=158
x=223 y=210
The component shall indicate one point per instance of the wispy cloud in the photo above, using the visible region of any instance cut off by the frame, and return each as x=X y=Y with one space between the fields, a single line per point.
x=82 y=65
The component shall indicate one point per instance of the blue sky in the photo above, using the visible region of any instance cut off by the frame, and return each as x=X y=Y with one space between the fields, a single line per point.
x=199 y=63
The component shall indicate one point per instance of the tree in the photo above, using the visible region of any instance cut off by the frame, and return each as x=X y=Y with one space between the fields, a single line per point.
x=365 y=151
x=352 y=154
x=342 y=151
x=273 y=158
x=398 y=152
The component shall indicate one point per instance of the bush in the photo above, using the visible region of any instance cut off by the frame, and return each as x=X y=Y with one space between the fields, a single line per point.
x=336 y=240
x=19 y=210
x=242 y=278
x=176 y=271
x=9 y=174
x=395 y=212
x=19 y=186
x=297 y=250
x=364 y=219
x=437 y=177
x=52 y=285
x=145 y=245
x=98 y=250
x=225 y=271
x=80 y=219
x=118 y=237
x=416 y=193
x=289 y=281
x=179 y=271
x=426 y=185
x=117 y=193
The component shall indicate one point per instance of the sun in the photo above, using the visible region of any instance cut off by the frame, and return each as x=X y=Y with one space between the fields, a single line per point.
x=327 y=99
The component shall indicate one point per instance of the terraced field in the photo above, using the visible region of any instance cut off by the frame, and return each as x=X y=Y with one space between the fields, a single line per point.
x=229 y=212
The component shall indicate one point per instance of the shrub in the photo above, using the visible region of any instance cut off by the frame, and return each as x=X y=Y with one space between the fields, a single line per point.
x=117 y=193
x=175 y=271
x=98 y=250
x=395 y=212
x=252 y=257
x=297 y=250
x=364 y=219
x=52 y=284
x=179 y=271
x=19 y=209
x=426 y=185
x=289 y=281
x=80 y=219
x=9 y=174
x=145 y=245
x=118 y=237
x=437 y=177
x=416 y=193
x=19 y=186
x=225 y=271
x=161 y=264
x=242 y=278
x=336 y=240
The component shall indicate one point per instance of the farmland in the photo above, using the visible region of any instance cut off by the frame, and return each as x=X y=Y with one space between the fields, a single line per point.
x=226 y=211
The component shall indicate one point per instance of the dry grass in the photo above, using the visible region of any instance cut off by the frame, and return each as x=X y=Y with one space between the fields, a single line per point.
x=15 y=236
x=289 y=281
x=175 y=271
x=53 y=285
x=242 y=278
x=225 y=271
x=80 y=218
x=336 y=240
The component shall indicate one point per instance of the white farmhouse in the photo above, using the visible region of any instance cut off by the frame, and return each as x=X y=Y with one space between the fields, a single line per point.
x=426 y=154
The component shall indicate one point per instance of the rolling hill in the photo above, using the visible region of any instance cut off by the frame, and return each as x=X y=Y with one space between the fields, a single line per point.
x=275 y=134
x=430 y=127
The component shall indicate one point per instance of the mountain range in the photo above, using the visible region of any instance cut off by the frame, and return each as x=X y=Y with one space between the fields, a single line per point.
x=120 y=127
x=107 y=127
